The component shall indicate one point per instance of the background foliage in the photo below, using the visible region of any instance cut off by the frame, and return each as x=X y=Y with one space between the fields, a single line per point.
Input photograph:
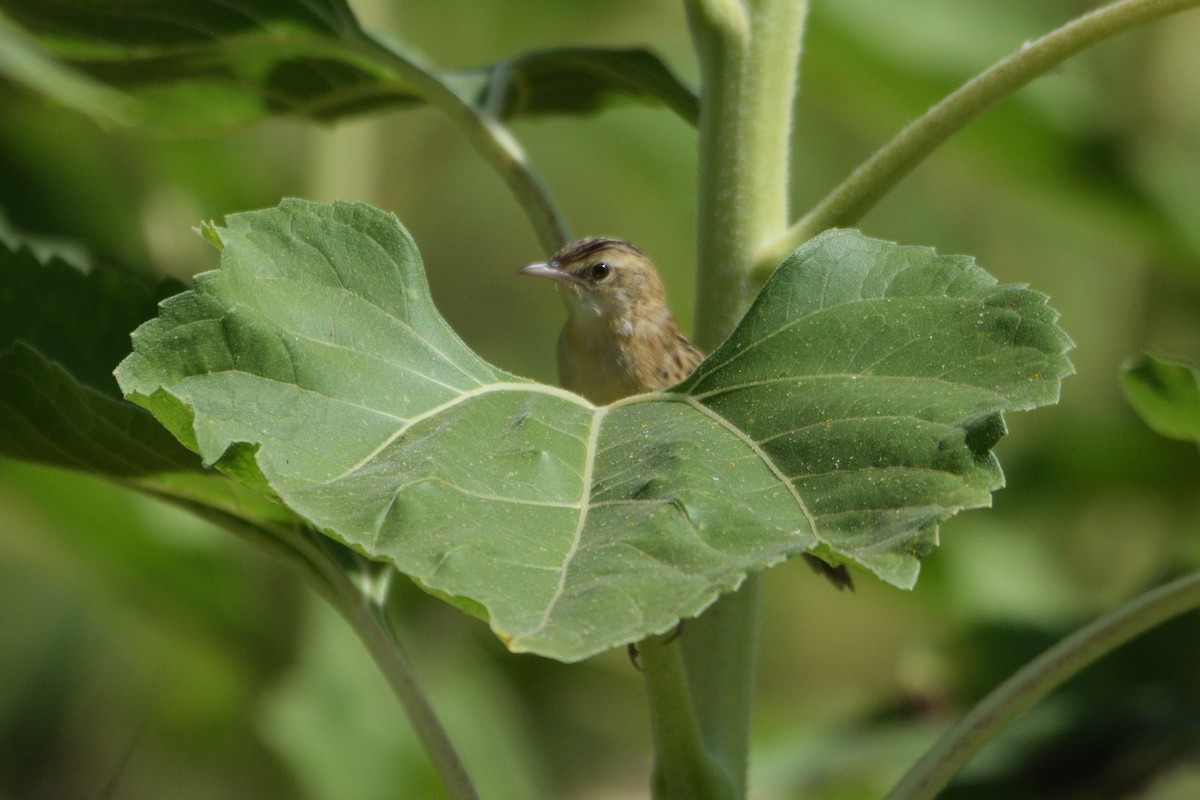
x=145 y=654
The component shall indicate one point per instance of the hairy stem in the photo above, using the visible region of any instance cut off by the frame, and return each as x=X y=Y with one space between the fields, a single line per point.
x=748 y=53
x=879 y=174
x=1037 y=679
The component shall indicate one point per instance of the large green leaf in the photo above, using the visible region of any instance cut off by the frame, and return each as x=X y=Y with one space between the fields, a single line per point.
x=61 y=333
x=195 y=66
x=1166 y=394
x=853 y=409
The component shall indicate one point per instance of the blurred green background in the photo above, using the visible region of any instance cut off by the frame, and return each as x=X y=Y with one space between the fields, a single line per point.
x=145 y=654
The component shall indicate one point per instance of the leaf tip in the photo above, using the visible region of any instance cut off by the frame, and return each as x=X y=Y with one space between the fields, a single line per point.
x=211 y=233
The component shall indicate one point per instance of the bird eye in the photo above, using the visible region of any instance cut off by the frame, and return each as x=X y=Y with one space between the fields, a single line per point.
x=599 y=271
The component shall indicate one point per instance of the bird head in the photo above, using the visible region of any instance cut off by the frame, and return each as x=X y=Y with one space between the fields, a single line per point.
x=604 y=278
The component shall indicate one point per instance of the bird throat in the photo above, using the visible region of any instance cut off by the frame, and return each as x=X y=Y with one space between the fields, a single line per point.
x=595 y=357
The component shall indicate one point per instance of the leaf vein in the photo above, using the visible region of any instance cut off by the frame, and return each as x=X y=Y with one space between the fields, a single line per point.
x=762 y=455
x=461 y=398
x=492 y=497
x=577 y=537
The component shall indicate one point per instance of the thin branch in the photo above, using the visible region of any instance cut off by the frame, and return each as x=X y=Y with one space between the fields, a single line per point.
x=873 y=179
x=371 y=624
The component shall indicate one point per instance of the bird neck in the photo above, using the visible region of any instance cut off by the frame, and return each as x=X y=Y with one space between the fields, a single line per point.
x=625 y=327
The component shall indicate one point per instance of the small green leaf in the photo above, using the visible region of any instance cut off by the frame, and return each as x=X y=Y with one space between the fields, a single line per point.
x=852 y=410
x=193 y=67
x=61 y=333
x=1166 y=394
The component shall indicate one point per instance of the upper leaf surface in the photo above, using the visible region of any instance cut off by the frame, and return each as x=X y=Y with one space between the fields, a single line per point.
x=853 y=409
x=873 y=375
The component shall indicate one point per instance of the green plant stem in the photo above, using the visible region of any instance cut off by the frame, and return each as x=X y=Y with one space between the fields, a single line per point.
x=371 y=624
x=491 y=140
x=701 y=691
x=879 y=174
x=720 y=653
x=748 y=51
x=683 y=769
x=1037 y=679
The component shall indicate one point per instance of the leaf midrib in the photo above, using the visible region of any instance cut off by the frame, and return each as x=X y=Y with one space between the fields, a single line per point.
x=763 y=456
x=581 y=521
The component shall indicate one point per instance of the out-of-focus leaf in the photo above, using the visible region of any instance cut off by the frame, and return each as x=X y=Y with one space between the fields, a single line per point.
x=48 y=417
x=198 y=67
x=80 y=320
x=1166 y=394
x=23 y=61
x=112 y=29
x=853 y=409
x=61 y=334
x=576 y=80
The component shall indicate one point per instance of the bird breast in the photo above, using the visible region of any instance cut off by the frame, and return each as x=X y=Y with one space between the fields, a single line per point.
x=594 y=360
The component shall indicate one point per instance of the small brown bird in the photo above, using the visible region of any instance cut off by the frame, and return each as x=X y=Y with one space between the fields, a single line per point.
x=620 y=338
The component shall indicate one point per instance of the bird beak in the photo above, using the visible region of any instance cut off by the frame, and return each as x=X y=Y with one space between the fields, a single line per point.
x=544 y=269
